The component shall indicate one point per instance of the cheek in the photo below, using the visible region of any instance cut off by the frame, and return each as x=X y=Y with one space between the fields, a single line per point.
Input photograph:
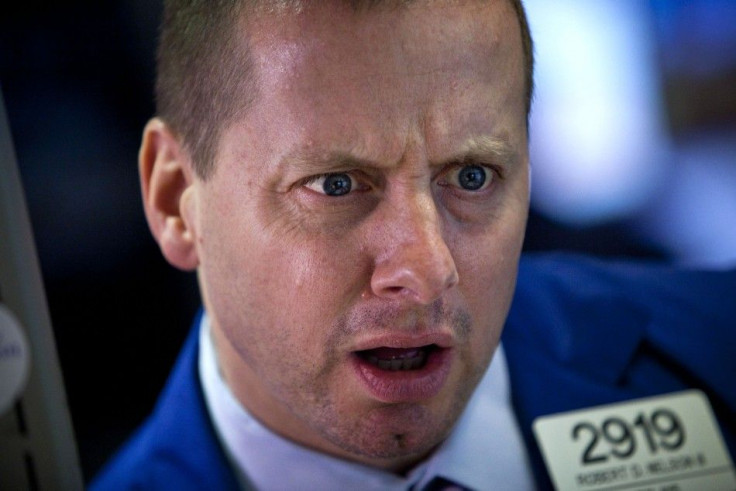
x=487 y=258
x=326 y=276
x=278 y=276
x=487 y=263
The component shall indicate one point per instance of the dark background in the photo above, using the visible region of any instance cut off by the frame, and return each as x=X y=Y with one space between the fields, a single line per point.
x=77 y=81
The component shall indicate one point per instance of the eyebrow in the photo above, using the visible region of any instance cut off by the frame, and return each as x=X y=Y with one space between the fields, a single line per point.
x=324 y=162
x=485 y=148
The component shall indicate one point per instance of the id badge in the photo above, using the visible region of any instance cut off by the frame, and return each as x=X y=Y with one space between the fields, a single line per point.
x=662 y=443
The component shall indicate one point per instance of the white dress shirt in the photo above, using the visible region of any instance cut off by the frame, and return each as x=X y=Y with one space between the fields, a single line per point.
x=484 y=451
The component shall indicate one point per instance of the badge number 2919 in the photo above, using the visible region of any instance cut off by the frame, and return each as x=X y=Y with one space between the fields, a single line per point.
x=619 y=439
x=662 y=443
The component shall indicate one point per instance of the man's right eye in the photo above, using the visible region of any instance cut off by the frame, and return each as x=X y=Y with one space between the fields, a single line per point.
x=337 y=184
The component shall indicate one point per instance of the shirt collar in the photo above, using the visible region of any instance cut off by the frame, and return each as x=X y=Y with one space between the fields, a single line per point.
x=484 y=450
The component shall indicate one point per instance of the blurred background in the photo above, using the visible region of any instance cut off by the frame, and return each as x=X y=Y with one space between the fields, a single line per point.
x=633 y=150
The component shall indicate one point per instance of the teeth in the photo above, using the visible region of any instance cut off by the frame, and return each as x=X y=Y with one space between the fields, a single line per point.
x=398 y=364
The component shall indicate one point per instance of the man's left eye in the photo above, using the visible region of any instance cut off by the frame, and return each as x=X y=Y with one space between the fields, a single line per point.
x=471 y=177
x=338 y=184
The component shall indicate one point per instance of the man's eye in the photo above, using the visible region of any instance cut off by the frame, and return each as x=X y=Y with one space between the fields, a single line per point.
x=470 y=177
x=338 y=184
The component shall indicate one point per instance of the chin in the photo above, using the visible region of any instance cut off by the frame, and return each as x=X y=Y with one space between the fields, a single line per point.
x=395 y=437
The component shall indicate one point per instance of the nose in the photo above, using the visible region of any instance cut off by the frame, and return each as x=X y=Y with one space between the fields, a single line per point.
x=415 y=262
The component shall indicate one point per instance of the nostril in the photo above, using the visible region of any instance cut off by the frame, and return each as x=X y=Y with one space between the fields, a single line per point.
x=453 y=279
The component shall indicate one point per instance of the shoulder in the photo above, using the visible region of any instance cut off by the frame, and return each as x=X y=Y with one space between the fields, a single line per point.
x=579 y=277
x=601 y=317
x=562 y=295
x=176 y=448
x=582 y=332
x=145 y=462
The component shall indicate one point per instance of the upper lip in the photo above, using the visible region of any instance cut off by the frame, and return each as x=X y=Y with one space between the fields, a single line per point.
x=405 y=340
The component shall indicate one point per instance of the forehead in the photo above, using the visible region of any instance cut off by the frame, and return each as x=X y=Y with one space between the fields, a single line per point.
x=398 y=66
x=418 y=37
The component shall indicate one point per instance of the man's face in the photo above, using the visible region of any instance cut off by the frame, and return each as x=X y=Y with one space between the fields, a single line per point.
x=359 y=239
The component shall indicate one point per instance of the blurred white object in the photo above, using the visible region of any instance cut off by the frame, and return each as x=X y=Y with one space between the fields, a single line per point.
x=37 y=446
x=598 y=142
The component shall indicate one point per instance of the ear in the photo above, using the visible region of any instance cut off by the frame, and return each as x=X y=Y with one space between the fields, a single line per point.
x=167 y=184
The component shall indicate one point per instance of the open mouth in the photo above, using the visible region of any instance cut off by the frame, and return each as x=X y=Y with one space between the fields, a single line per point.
x=398 y=359
x=404 y=375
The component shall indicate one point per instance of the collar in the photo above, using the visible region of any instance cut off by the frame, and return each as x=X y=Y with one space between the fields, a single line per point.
x=484 y=450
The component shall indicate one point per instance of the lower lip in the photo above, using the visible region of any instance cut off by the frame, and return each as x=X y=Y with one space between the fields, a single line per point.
x=409 y=385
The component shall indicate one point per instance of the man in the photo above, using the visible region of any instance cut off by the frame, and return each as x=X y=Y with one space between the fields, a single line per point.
x=350 y=181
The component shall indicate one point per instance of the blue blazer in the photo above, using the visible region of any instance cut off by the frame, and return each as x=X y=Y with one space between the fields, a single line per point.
x=581 y=332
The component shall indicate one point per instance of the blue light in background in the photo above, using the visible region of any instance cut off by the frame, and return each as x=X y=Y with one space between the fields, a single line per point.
x=695 y=214
x=698 y=36
x=597 y=142
x=608 y=144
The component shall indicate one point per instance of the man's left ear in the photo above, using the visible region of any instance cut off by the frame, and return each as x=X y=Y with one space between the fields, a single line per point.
x=169 y=200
